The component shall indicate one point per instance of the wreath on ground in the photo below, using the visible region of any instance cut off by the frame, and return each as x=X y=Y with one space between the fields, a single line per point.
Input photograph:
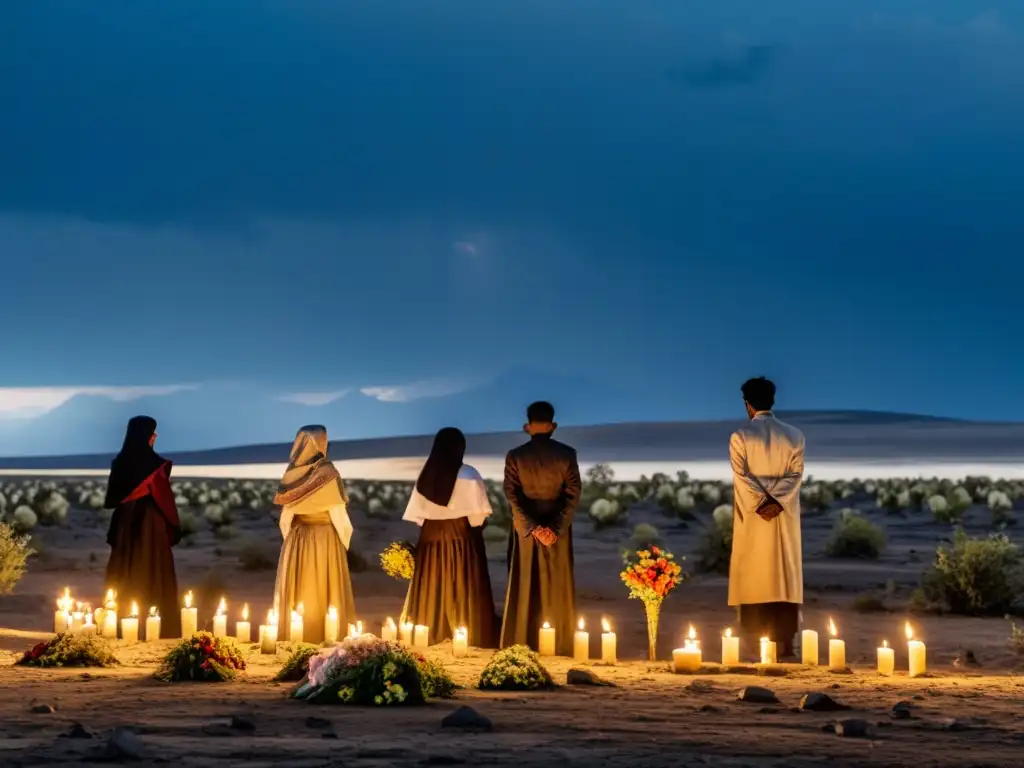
x=202 y=658
x=70 y=649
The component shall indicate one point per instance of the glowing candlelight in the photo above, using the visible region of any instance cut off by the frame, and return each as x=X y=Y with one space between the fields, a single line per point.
x=355 y=630
x=331 y=625
x=130 y=625
x=809 y=647
x=107 y=618
x=243 y=629
x=152 y=625
x=62 y=616
x=730 y=649
x=405 y=632
x=88 y=628
x=77 y=617
x=268 y=633
x=916 y=650
x=836 y=649
x=421 y=636
x=581 y=642
x=189 y=617
x=886 y=659
x=687 y=658
x=460 y=642
x=609 y=643
x=546 y=640
x=295 y=634
x=768 y=652
x=220 y=619
x=388 y=630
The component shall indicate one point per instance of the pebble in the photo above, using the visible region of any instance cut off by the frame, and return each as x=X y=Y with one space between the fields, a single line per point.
x=77 y=731
x=820 y=702
x=584 y=677
x=755 y=694
x=901 y=710
x=241 y=723
x=852 y=729
x=123 y=744
x=43 y=709
x=467 y=718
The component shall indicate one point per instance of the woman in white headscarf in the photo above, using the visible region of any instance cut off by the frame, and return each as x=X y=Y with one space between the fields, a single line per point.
x=313 y=570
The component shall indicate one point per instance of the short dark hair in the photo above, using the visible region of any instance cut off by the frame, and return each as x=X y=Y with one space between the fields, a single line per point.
x=540 y=412
x=759 y=392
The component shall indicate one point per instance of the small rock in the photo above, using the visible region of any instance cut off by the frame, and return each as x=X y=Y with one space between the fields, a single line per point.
x=820 y=702
x=966 y=658
x=755 y=694
x=76 y=732
x=917 y=697
x=584 y=677
x=852 y=729
x=709 y=708
x=467 y=718
x=317 y=722
x=217 y=729
x=123 y=744
x=901 y=710
x=43 y=709
x=834 y=686
x=240 y=723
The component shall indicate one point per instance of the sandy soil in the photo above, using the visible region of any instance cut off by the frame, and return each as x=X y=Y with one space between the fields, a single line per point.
x=962 y=715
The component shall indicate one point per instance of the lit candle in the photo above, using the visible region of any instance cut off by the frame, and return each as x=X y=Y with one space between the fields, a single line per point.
x=388 y=630
x=730 y=649
x=608 y=643
x=421 y=636
x=809 y=647
x=916 y=650
x=767 y=651
x=405 y=632
x=107 y=617
x=152 y=625
x=886 y=659
x=581 y=643
x=88 y=628
x=243 y=629
x=546 y=641
x=355 y=630
x=331 y=626
x=62 y=617
x=268 y=633
x=687 y=658
x=130 y=626
x=77 y=617
x=220 y=619
x=460 y=642
x=836 y=649
x=189 y=617
x=295 y=635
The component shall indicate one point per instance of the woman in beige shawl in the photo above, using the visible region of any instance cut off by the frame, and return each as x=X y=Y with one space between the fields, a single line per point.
x=313 y=570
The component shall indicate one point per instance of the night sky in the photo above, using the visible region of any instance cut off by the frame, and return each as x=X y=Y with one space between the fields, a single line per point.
x=664 y=196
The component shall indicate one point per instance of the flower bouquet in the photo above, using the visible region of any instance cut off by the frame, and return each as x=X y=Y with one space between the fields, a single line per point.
x=203 y=658
x=399 y=560
x=70 y=649
x=515 y=669
x=368 y=670
x=650 y=575
x=297 y=665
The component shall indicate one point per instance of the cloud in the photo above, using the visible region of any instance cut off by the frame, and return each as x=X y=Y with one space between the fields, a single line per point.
x=31 y=402
x=314 y=398
x=751 y=64
x=404 y=393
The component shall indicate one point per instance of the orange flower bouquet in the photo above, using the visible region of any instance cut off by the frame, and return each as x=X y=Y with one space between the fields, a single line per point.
x=650 y=575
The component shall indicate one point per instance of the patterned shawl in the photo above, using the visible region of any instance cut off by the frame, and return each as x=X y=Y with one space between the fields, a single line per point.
x=308 y=468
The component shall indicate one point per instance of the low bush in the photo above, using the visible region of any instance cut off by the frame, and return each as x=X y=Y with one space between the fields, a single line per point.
x=201 y=658
x=645 y=535
x=14 y=554
x=436 y=682
x=855 y=537
x=714 y=548
x=976 y=576
x=605 y=513
x=24 y=518
x=70 y=649
x=256 y=555
x=517 y=668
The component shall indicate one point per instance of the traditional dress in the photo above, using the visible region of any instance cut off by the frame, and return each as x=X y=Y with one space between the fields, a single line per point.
x=313 y=570
x=143 y=528
x=766 y=569
x=451 y=586
x=542 y=484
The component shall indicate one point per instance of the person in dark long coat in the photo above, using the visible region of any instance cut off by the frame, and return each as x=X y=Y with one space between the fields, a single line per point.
x=543 y=485
x=451 y=586
x=143 y=529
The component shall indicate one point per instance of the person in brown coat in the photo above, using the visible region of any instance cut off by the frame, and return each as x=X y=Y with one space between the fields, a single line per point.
x=542 y=485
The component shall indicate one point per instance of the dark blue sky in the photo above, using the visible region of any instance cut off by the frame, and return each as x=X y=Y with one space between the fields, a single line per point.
x=665 y=196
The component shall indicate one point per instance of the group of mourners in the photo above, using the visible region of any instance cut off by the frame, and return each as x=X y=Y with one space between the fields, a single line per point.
x=451 y=584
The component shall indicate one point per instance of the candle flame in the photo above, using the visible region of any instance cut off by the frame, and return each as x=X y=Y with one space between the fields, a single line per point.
x=222 y=606
x=135 y=610
x=390 y=623
x=359 y=627
x=546 y=625
x=332 y=612
x=188 y=599
x=765 y=640
x=296 y=616
x=152 y=611
x=832 y=627
x=728 y=631
x=692 y=634
x=300 y=609
x=271 y=617
x=245 y=612
x=885 y=643
x=910 y=631
x=581 y=624
x=110 y=596
x=88 y=619
x=605 y=625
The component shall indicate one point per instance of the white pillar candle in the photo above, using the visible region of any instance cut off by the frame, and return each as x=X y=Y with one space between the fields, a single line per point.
x=189 y=617
x=916 y=651
x=355 y=630
x=581 y=643
x=389 y=631
x=809 y=647
x=460 y=642
x=62 y=617
x=295 y=628
x=77 y=618
x=130 y=626
x=88 y=627
x=421 y=636
x=609 y=649
x=331 y=626
x=886 y=659
x=268 y=633
x=836 y=649
x=243 y=629
x=730 y=649
x=152 y=625
x=546 y=640
x=220 y=619
x=405 y=632
x=109 y=625
x=767 y=651
x=687 y=658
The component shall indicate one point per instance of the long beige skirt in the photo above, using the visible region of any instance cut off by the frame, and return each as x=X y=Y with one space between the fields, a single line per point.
x=313 y=572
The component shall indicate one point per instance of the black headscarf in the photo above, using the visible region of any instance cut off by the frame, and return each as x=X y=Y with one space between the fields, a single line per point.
x=437 y=478
x=136 y=461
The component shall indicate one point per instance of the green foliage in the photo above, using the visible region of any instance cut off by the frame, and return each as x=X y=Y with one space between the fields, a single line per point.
x=855 y=537
x=645 y=535
x=436 y=682
x=515 y=669
x=606 y=512
x=869 y=603
x=297 y=665
x=70 y=649
x=201 y=658
x=14 y=555
x=365 y=672
x=714 y=549
x=976 y=576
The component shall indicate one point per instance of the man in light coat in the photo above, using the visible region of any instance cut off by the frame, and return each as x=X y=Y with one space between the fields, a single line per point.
x=766 y=582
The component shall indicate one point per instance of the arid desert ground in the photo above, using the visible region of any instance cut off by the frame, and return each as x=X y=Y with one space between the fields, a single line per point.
x=968 y=711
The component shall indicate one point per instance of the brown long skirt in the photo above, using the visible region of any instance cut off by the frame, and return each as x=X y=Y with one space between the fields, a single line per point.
x=141 y=564
x=313 y=571
x=451 y=586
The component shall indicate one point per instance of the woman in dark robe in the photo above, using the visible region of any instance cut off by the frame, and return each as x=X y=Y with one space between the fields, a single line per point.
x=144 y=528
x=451 y=586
